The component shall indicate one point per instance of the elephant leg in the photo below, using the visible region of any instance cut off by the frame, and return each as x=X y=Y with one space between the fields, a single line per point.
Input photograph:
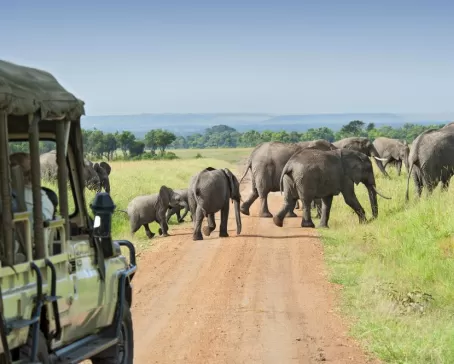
x=249 y=201
x=148 y=231
x=264 y=211
x=399 y=167
x=224 y=220
x=352 y=201
x=170 y=213
x=186 y=210
x=307 y=220
x=297 y=205
x=416 y=174
x=164 y=228
x=177 y=212
x=325 y=211
x=318 y=206
x=291 y=212
x=278 y=218
x=207 y=230
x=198 y=218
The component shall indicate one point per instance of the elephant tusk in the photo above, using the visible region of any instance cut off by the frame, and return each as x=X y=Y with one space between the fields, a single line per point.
x=378 y=193
x=381 y=159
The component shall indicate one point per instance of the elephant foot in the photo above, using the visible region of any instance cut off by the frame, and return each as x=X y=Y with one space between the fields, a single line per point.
x=181 y=220
x=150 y=236
x=223 y=234
x=266 y=214
x=160 y=231
x=323 y=226
x=206 y=230
x=277 y=221
x=196 y=237
x=291 y=214
x=244 y=211
x=165 y=234
x=307 y=224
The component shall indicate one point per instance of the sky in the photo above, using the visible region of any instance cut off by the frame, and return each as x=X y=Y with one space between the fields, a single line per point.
x=281 y=57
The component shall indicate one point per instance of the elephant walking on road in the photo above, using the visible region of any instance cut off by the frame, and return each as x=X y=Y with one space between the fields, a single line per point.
x=143 y=210
x=210 y=191
x=392 y=151
x=431 y=159
x=365 y=146
x=266 y=163
x=325 y=174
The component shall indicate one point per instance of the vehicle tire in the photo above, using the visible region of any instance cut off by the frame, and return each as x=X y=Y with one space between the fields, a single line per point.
x=123 y=352
x=43 y=354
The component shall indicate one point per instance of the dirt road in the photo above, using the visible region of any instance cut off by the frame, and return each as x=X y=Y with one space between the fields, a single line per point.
x=261 y=297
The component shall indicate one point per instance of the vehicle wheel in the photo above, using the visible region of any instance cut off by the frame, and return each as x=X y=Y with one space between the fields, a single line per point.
x=43 y=355
x=123 y=352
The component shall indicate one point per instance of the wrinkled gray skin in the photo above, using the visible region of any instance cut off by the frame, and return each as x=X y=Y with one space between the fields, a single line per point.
x=96 y=175
x=210 y=191
x=182 y=205
x=431 y=159
x=143 y=210
x=325 y=174
x=392 y=151
x=365 y=146
x=266 y=163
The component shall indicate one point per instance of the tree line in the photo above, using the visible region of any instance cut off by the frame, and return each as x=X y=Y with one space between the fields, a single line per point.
x=157 y=142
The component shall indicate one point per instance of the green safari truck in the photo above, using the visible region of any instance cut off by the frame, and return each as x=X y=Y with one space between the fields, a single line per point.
x=65 y=285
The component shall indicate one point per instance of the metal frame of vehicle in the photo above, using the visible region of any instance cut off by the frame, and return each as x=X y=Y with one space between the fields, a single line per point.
x=52 y=294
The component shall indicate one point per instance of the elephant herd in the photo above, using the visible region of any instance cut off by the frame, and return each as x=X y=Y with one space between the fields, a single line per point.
x=312 y=172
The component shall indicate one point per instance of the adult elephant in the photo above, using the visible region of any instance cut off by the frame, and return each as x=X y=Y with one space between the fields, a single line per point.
x=211 y=191
x=96 y=175
x=365 y=146
x=266 y=163
x=392 y=151
x=431 y=159
x=324 y=174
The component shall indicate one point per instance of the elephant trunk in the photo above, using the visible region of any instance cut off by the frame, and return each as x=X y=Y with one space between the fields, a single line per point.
x=373 y=200
x=236 y=205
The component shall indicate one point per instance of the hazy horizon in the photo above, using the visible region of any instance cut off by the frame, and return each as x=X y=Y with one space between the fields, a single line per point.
x=266 y=57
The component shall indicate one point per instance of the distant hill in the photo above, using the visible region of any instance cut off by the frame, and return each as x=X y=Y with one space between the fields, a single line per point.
x=185 y=124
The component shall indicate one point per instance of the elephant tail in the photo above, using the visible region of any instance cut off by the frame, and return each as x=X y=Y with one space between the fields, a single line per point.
x=287 y=169
x=407 y=197
x=248 y=166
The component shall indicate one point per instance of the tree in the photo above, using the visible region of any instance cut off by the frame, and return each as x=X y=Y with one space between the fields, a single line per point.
x=163 y=138
x=125 y=141
x=136 y=148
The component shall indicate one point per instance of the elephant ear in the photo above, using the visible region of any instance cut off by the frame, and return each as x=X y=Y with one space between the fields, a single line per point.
x=233 y=184
x=164 y=195
x=353 y=164
x=106 y=166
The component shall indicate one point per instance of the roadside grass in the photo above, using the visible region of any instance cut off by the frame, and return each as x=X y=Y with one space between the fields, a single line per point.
x=397 y=272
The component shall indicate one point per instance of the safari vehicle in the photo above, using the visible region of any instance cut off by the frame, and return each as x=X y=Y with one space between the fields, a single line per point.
x=65 y=287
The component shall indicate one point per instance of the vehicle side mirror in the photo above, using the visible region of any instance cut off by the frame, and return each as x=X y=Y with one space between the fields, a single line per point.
x=103 y=208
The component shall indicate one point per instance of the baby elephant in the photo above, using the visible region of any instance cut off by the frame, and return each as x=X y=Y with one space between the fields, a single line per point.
x=143 y=210
x=177 y=208
x=210 y=191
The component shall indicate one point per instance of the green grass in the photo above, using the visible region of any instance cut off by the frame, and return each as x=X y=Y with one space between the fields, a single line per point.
x=408 y=248
x=233 y=155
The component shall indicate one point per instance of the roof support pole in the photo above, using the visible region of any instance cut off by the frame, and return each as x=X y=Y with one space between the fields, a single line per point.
x=6 y=198
x=38 y=224
x=62 y=132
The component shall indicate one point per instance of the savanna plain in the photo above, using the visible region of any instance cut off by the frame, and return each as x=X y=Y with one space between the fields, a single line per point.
x=395 y=274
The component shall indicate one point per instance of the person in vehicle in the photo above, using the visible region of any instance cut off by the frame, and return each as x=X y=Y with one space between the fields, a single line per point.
x=48 y=208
